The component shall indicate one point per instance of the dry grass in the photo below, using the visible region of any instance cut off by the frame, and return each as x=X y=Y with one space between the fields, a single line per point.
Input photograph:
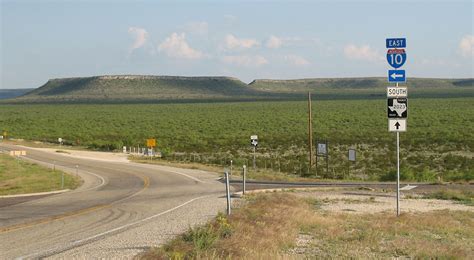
x=282 y=226
x=260 y=229
x=18 y=176
x=461 y=196
x=440 y=234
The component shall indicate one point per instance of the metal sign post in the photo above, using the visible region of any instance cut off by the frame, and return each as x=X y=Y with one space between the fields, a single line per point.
x=254 y=163
x=398 y=173
x=397 y=101
x=227 y=191
x=310 y=133
x=322 y=151
x=352 y=158
x=254 y=143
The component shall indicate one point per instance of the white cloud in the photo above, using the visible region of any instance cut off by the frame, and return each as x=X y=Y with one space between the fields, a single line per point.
x=466 y=46
x=362 y=53
x=245 y=60
x=274 y=42
x=140 y=36
x=197 y=27
x=232 y=42
x=296 y=60
x=176 y=46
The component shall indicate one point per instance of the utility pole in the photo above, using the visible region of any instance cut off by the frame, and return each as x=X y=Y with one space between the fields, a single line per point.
x=310 y=132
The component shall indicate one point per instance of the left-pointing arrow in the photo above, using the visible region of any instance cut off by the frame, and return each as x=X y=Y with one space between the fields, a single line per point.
x=395 y=75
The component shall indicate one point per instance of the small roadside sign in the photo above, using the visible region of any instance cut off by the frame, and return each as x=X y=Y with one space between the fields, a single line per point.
x=397 y=125
x=397 y=92
x=151 y=142
x=352 y=155
x=396 y=76
x=396 y=42
x=254 y=140
x=18 y=153
x=397 y=107
x=322 y=149
x=149 y=152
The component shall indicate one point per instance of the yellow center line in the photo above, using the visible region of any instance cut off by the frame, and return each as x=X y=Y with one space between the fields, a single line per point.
x=146 y=184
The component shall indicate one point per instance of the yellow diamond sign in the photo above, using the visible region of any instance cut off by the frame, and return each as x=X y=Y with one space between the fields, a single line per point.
x=151 y=142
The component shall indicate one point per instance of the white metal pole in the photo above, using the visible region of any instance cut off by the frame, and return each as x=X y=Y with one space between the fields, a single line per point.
x=398 y=172
x=254 y=166
x=227 y=190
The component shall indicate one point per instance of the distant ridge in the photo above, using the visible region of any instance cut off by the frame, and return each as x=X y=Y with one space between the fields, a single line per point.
x=302 y=85
x=151 y=89
x=12 y=93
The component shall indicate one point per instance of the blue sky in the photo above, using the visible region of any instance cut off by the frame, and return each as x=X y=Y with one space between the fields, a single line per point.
x=244 y=39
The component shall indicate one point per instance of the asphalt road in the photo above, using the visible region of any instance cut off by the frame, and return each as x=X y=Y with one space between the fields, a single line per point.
x=116 y=199
x=122 y=208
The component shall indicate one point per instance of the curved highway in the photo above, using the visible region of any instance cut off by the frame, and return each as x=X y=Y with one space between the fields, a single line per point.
x=112 y=214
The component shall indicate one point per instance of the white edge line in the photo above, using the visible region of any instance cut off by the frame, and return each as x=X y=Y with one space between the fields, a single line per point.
x=71 y=245
x=166 y=170
x=71 y=155
x=102 y=180
x=184 y=174
x=33 y=194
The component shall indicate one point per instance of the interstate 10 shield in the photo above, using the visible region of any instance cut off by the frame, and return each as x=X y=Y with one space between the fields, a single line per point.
x=396 y=57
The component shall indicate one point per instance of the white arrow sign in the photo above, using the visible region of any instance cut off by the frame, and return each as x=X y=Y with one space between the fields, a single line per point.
x=396 y=76
x=397 y=125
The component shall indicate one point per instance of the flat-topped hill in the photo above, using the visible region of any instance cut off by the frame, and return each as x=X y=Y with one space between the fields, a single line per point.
x=304 y=85
x=131 y=88
x=146 y=89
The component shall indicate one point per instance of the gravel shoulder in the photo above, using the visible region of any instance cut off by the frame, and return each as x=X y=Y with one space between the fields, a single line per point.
x=153 y=233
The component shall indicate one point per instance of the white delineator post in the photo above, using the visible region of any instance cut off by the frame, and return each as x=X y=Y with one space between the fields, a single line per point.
x=244 y=172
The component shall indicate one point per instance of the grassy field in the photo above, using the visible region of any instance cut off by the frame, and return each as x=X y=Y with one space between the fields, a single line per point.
x=259 y=230
x=19 y=176
x=439 y=143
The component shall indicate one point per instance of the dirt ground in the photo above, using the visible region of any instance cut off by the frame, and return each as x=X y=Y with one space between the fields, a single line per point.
x=359 y=202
